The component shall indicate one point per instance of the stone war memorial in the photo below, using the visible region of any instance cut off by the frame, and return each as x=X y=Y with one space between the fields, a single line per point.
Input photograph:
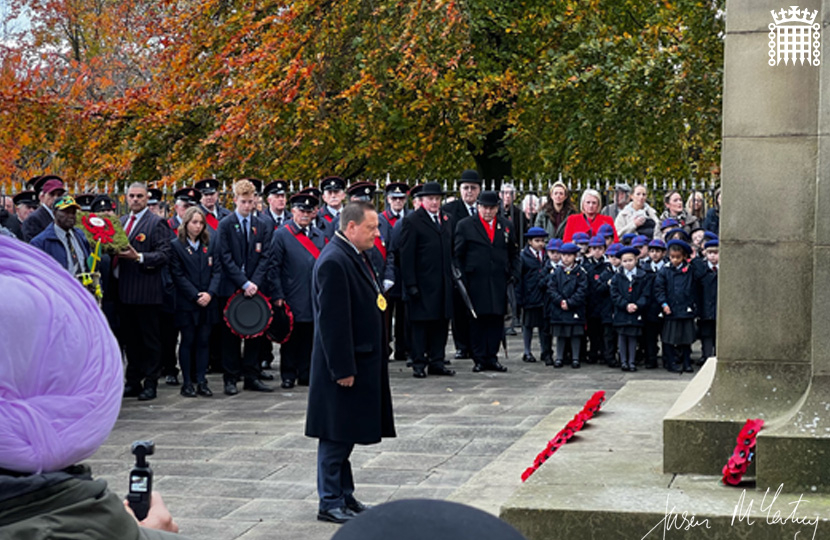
x=650 y=464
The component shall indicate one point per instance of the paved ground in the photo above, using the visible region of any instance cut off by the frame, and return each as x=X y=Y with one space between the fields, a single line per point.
x=240 y=467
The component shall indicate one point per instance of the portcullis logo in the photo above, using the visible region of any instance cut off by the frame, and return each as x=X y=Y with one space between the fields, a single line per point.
x=794 y=37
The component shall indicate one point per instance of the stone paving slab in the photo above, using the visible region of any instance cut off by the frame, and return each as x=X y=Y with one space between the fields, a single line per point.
x=240 y=467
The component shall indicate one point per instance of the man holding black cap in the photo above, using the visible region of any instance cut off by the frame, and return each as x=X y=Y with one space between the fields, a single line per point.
x=470 y=186
x=486 y=253
x=622 y=195
x=425 y=248
x=63 y=241
x=296 y=247
x=48 y=189
x=214 y=213
x=276 y=194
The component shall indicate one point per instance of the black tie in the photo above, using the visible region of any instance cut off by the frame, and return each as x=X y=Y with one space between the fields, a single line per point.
x=473 y=211
x=279 y=221
x=245 y=236
x=437 y=221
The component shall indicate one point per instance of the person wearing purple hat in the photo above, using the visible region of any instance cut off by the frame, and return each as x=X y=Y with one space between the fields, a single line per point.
x=627 y=239
x=641 y=243
x=653 y=318
x=607 y=232
x=567 y=288
x=629 y=295
x=530 y=294
x=598 y=302
x=48 y=189
x=708 y=300
x=674 y=289
x=51 y=419
x=678 y=233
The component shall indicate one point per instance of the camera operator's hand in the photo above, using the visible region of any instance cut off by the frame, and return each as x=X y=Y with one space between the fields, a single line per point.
x=158 y=517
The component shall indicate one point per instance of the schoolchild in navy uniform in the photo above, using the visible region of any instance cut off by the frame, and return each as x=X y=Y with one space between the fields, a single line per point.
x=653 y=326
x=196 y=276
x=581 y=240
x=708 y=300
x=676 y=293
x=629 y=294
x=641 y=243
x=612 y=255
x=607 y=232
x=567 y=289
x=698 y=238
x=609 y=333
x=554 y=261
x=627 y=238
x=530 y=294
x=598 y=299
x=667 y=225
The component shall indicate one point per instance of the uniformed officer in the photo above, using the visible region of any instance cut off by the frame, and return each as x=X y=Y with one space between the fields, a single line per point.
x=48 y=189
x=296 y=247
x=365 y=191
x=25 y=203
x=214 y=212
x=396 y=194
x=486 y=253
x=332 y=188
x=319 y=221
x=156 y=205
x=84 y=200
x=276 y=194
x=185 y=198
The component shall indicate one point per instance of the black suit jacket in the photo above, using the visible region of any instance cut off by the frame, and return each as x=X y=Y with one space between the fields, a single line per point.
x=487 y=266
x=36 y=223
x=142 y=283
x=195 y=271
x=256 y=262
x=425 y=263
x=456 y=210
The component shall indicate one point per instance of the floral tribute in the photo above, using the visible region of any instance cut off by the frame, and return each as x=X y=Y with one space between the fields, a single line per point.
x=591 y=407
x=743 y=454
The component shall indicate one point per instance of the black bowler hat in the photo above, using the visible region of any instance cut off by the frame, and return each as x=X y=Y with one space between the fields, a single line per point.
x=28 y=197
x=488 y=198
x=332 y=183
x=154 y=196
x=396 y=189
x=190 y=195
x=416 y=519
x=362 y=190
x=207 y=186
x=277 y=187
x=85 y=200
x=102 y=203
x=304 y=201
x=470 y=176
x=430 y=188
x=313 y=191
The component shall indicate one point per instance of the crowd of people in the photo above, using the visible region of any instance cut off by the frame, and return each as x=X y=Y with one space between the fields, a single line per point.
x=604 y=280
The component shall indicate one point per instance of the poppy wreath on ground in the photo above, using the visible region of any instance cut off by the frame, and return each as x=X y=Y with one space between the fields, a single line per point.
x=743 y=454
x=565 y=434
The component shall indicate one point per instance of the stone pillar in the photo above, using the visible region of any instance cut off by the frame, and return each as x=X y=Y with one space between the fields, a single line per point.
x=774 y=292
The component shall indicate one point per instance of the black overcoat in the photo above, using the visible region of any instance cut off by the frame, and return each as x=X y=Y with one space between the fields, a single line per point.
x=349 y=341
x=425 y=263
x=194 y=271
x=36 y=223
x=676 y=287
x=531 y=290
x=624 y=292
x=487 y=266
x=707 y=293
x=571 y=286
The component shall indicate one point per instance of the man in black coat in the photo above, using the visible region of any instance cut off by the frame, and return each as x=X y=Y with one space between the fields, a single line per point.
x=396 y=194
x=470 y=187
x=48 y=189
x=349 y=400
x=425 y=248
x=214 y=213
x=141 y=293
x=244 y=251
x=25 y=204
x=486 y=254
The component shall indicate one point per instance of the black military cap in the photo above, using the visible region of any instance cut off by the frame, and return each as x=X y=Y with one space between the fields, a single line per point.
x=488 y=198
x=42 y=180
x=154 y=196
x=102 y=203
x=416 y=190
x=85 y=200
x=311 y=190
x=30 y=183
x=304 y=201
x=277 y=187
x=396 y=189
x=190 y=195
x=470 y=176
x=257 y=185
x=207 y=186
x=361 y=190
x=332 y=183
x=28 y=197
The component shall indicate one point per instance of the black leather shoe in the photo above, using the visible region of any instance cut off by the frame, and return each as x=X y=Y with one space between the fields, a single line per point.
x=624 y=368
x=674 y=369
x=419 y=373
x=336 y=515
x=147 y=394
x=302 y=382
x=357 y=506
x=287 y=384
x=575 y=364
x=203 y=390
x=440 y=371
x=651 y=366
x=496 y=366
x=511 y=332
x=557 y=363
x=230 y=388
x=478 y=368
x=131 y=391
x=265 y=364
x=188 y=390
x=256 y=386
x=265 y=376
x=688 y=369
x=461 y=355
x=172 y=380
x=529 y=358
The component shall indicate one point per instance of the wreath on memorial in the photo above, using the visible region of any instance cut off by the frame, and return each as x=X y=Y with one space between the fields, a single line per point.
x=579 y=420
x=743 y=453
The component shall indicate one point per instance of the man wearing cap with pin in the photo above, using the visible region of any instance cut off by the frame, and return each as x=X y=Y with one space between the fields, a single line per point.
x=185 y=198
x=425 y=247
x=63 y=241
x=276 y=195
x=214 y=213
x=48 y=189
x=25 y=204
x=295 y=248
x=332 y=189
x=365 y=191
x=155 y=203
x=486 y=253
x=396 y=193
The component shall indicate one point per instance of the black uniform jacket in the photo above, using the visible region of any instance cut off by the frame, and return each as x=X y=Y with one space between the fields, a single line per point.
x=348 y=341
x=624 y=292
x=571 y=286
x=293 y=264
x=195 y=271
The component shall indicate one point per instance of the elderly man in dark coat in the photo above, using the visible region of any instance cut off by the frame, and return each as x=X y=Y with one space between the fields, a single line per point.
x=487 y=255
x=349 y=400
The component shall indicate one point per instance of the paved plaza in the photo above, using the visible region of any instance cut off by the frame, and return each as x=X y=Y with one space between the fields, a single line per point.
x=240 y=467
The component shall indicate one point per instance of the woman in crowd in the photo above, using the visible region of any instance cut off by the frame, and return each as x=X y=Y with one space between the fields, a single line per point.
x=530 y=207
x=555 y=211
x=637 y=217
x=675 y=210
x=696 y=206
x=712 y=221
x=590 y=220
x=196 y=275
